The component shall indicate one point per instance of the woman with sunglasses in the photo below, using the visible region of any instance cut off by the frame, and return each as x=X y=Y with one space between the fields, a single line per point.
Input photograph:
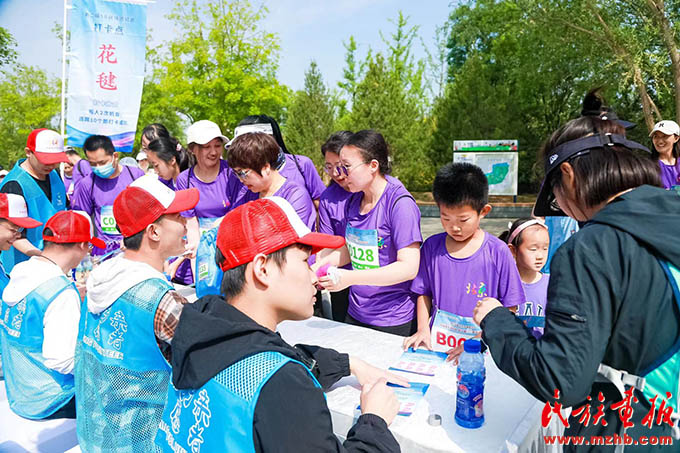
x=613 y=310
x=382 y=231
x=252 y=156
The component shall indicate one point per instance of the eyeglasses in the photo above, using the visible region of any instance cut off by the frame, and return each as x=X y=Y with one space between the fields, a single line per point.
x=242 y=174
x=332 y=169
x=343 y=170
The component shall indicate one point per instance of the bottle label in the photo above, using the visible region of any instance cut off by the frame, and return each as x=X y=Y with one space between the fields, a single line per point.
x=470 y=400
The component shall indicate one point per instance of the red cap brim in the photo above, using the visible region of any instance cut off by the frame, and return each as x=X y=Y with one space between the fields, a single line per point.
x=98 y=243
x=184 y=200
x=50 y=158
x=24 y=222
x=320 y=241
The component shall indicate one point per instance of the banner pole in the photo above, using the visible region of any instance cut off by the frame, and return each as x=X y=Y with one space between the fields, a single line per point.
x=64 y=32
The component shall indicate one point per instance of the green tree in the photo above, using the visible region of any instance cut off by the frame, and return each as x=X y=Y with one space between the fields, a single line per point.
x=390 y=97
x=29 y=99
x=311 y=117
x=222 y=66
x=7 y=45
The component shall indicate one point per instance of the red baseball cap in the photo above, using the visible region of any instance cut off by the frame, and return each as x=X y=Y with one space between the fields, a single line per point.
x=69 y=227
x=145 y=200
x=265 y=226
x=13 y=208
x=47 y=145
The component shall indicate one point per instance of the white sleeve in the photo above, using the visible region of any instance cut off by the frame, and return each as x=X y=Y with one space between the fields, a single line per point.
x=60 y=331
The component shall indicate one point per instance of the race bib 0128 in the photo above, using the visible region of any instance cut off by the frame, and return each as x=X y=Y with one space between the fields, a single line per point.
x=363 y=248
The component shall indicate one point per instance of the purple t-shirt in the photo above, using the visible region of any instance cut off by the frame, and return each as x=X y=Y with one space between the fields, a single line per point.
x=168 y=182
x=373 y=240
x=81 y=169
x=310 y=180
x=217 y=197
x=536 y=300
x=300 y=200
x=95 y=196
x=456 y=284
x=670 y=175
x=332 y=210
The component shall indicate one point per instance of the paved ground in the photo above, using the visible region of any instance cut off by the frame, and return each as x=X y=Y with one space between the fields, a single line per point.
x=432 y=225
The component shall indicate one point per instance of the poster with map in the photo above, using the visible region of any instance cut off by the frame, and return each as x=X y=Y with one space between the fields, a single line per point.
x=497 y=158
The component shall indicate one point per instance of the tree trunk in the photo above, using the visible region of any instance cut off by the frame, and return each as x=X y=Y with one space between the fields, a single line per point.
x=667 y=35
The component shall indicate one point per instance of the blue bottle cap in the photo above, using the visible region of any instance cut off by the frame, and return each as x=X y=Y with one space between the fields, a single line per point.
x=472 y=346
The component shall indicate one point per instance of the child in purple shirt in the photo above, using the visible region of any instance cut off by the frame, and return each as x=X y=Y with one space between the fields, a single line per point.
x=461 y=266
x=529 y=242
x=382 y=232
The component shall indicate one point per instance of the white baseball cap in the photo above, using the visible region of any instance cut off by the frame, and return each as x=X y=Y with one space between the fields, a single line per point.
x=667 y=127
x=264 y=128
x=201 y=132
x=141 y=156
x=47 y=145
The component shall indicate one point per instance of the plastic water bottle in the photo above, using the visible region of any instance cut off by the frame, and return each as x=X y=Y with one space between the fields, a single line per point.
x=471 y=375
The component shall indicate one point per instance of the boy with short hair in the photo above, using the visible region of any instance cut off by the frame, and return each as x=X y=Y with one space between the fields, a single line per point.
x=462 y=265
x=40 y=315
x=241 y=386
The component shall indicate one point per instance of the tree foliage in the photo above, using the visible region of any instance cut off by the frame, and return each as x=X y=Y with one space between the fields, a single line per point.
x=7 y=44
x=311 y=117
x=29 y=99
x=222 y=65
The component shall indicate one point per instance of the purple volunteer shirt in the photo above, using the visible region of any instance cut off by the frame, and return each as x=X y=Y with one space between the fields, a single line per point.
x=392 y=224
x=300 y=200
x=456 y=284
x=81 y=169
x=332 y=211
x=536 y=300
x=309 y=178
x=217 y=197
x=670 y=174
x=168 y=182
x=95 y=196
x=215 y=200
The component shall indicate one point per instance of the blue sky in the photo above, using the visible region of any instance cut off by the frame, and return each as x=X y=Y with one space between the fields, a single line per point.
x=307 y=30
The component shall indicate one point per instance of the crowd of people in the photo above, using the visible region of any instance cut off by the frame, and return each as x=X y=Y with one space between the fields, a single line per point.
x=141 y=368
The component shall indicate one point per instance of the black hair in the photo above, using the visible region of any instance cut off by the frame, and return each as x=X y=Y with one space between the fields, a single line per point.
x=517 y=240
x=372 y=146
x=95 y=142
x=234 y=279
x=134 y=242
x=461 y=184
x=167 y=148
x=335 y=142
x=155 y=131
x=602 y=172
x=71 y=152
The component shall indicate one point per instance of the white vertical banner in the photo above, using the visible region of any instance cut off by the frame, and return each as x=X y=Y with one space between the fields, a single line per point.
x=106 y=70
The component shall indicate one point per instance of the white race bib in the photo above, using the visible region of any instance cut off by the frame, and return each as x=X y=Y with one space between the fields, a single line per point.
x=106 y=220
x=449 y=330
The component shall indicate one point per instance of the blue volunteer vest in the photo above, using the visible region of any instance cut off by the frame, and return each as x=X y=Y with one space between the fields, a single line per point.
x=121 y=375
x=219 y=415
x=39 y=208
x=33 y=390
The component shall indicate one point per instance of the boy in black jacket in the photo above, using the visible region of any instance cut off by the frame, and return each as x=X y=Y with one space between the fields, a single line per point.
x=241 y=387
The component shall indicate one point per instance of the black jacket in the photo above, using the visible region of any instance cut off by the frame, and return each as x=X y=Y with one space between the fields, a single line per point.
x=291 y=414
x=609 y=301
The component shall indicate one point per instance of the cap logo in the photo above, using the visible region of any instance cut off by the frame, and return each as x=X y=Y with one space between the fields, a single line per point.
x=553 y=158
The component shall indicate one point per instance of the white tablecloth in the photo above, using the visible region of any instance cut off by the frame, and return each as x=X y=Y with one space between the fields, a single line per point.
x=511 y=414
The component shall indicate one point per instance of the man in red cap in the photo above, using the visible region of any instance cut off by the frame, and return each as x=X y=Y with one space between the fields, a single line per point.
x=231 y=366
x=37 y=181
x=122 y=368
x=41 y=309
